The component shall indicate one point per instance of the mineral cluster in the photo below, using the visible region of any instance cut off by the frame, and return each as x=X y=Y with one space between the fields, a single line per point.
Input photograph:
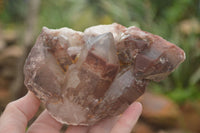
x=84 y=77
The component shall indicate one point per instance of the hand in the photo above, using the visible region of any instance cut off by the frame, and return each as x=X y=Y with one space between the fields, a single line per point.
x=17 y=114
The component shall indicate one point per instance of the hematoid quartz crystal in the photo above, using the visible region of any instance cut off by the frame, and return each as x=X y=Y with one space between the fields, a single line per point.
x=84 y=77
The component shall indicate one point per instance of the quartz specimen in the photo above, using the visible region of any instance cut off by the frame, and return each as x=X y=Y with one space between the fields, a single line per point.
x=84 y=77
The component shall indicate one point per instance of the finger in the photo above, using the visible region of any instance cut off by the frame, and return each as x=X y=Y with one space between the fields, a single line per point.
x=128 y=119
x=18 y=113
x=104 y=126
x=77 y=129
x=45 y=124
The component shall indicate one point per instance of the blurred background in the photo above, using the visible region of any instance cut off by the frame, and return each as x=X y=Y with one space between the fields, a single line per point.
x=171 y=106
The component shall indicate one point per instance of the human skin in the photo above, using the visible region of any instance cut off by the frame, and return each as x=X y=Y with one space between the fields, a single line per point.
x=17 y=114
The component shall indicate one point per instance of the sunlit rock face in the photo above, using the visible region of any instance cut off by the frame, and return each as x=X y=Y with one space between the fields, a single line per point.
x=84 y=77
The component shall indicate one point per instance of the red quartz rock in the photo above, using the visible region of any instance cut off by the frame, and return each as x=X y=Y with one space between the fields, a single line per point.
x=84 y=77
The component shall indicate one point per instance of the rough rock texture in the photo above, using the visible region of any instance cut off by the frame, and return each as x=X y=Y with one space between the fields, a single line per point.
x=83 y=78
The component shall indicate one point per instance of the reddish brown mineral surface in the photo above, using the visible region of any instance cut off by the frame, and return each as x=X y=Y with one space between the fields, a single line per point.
x=83 y=78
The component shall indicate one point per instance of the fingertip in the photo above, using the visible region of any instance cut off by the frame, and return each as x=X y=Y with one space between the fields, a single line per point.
x=135 y=109
x=128 y=119
x=136 y=106
x=32 y=96
x=18 y=113
x=28 y=104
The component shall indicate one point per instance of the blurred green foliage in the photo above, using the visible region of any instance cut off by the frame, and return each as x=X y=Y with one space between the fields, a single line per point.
x=175 y=20
x=12 y=11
